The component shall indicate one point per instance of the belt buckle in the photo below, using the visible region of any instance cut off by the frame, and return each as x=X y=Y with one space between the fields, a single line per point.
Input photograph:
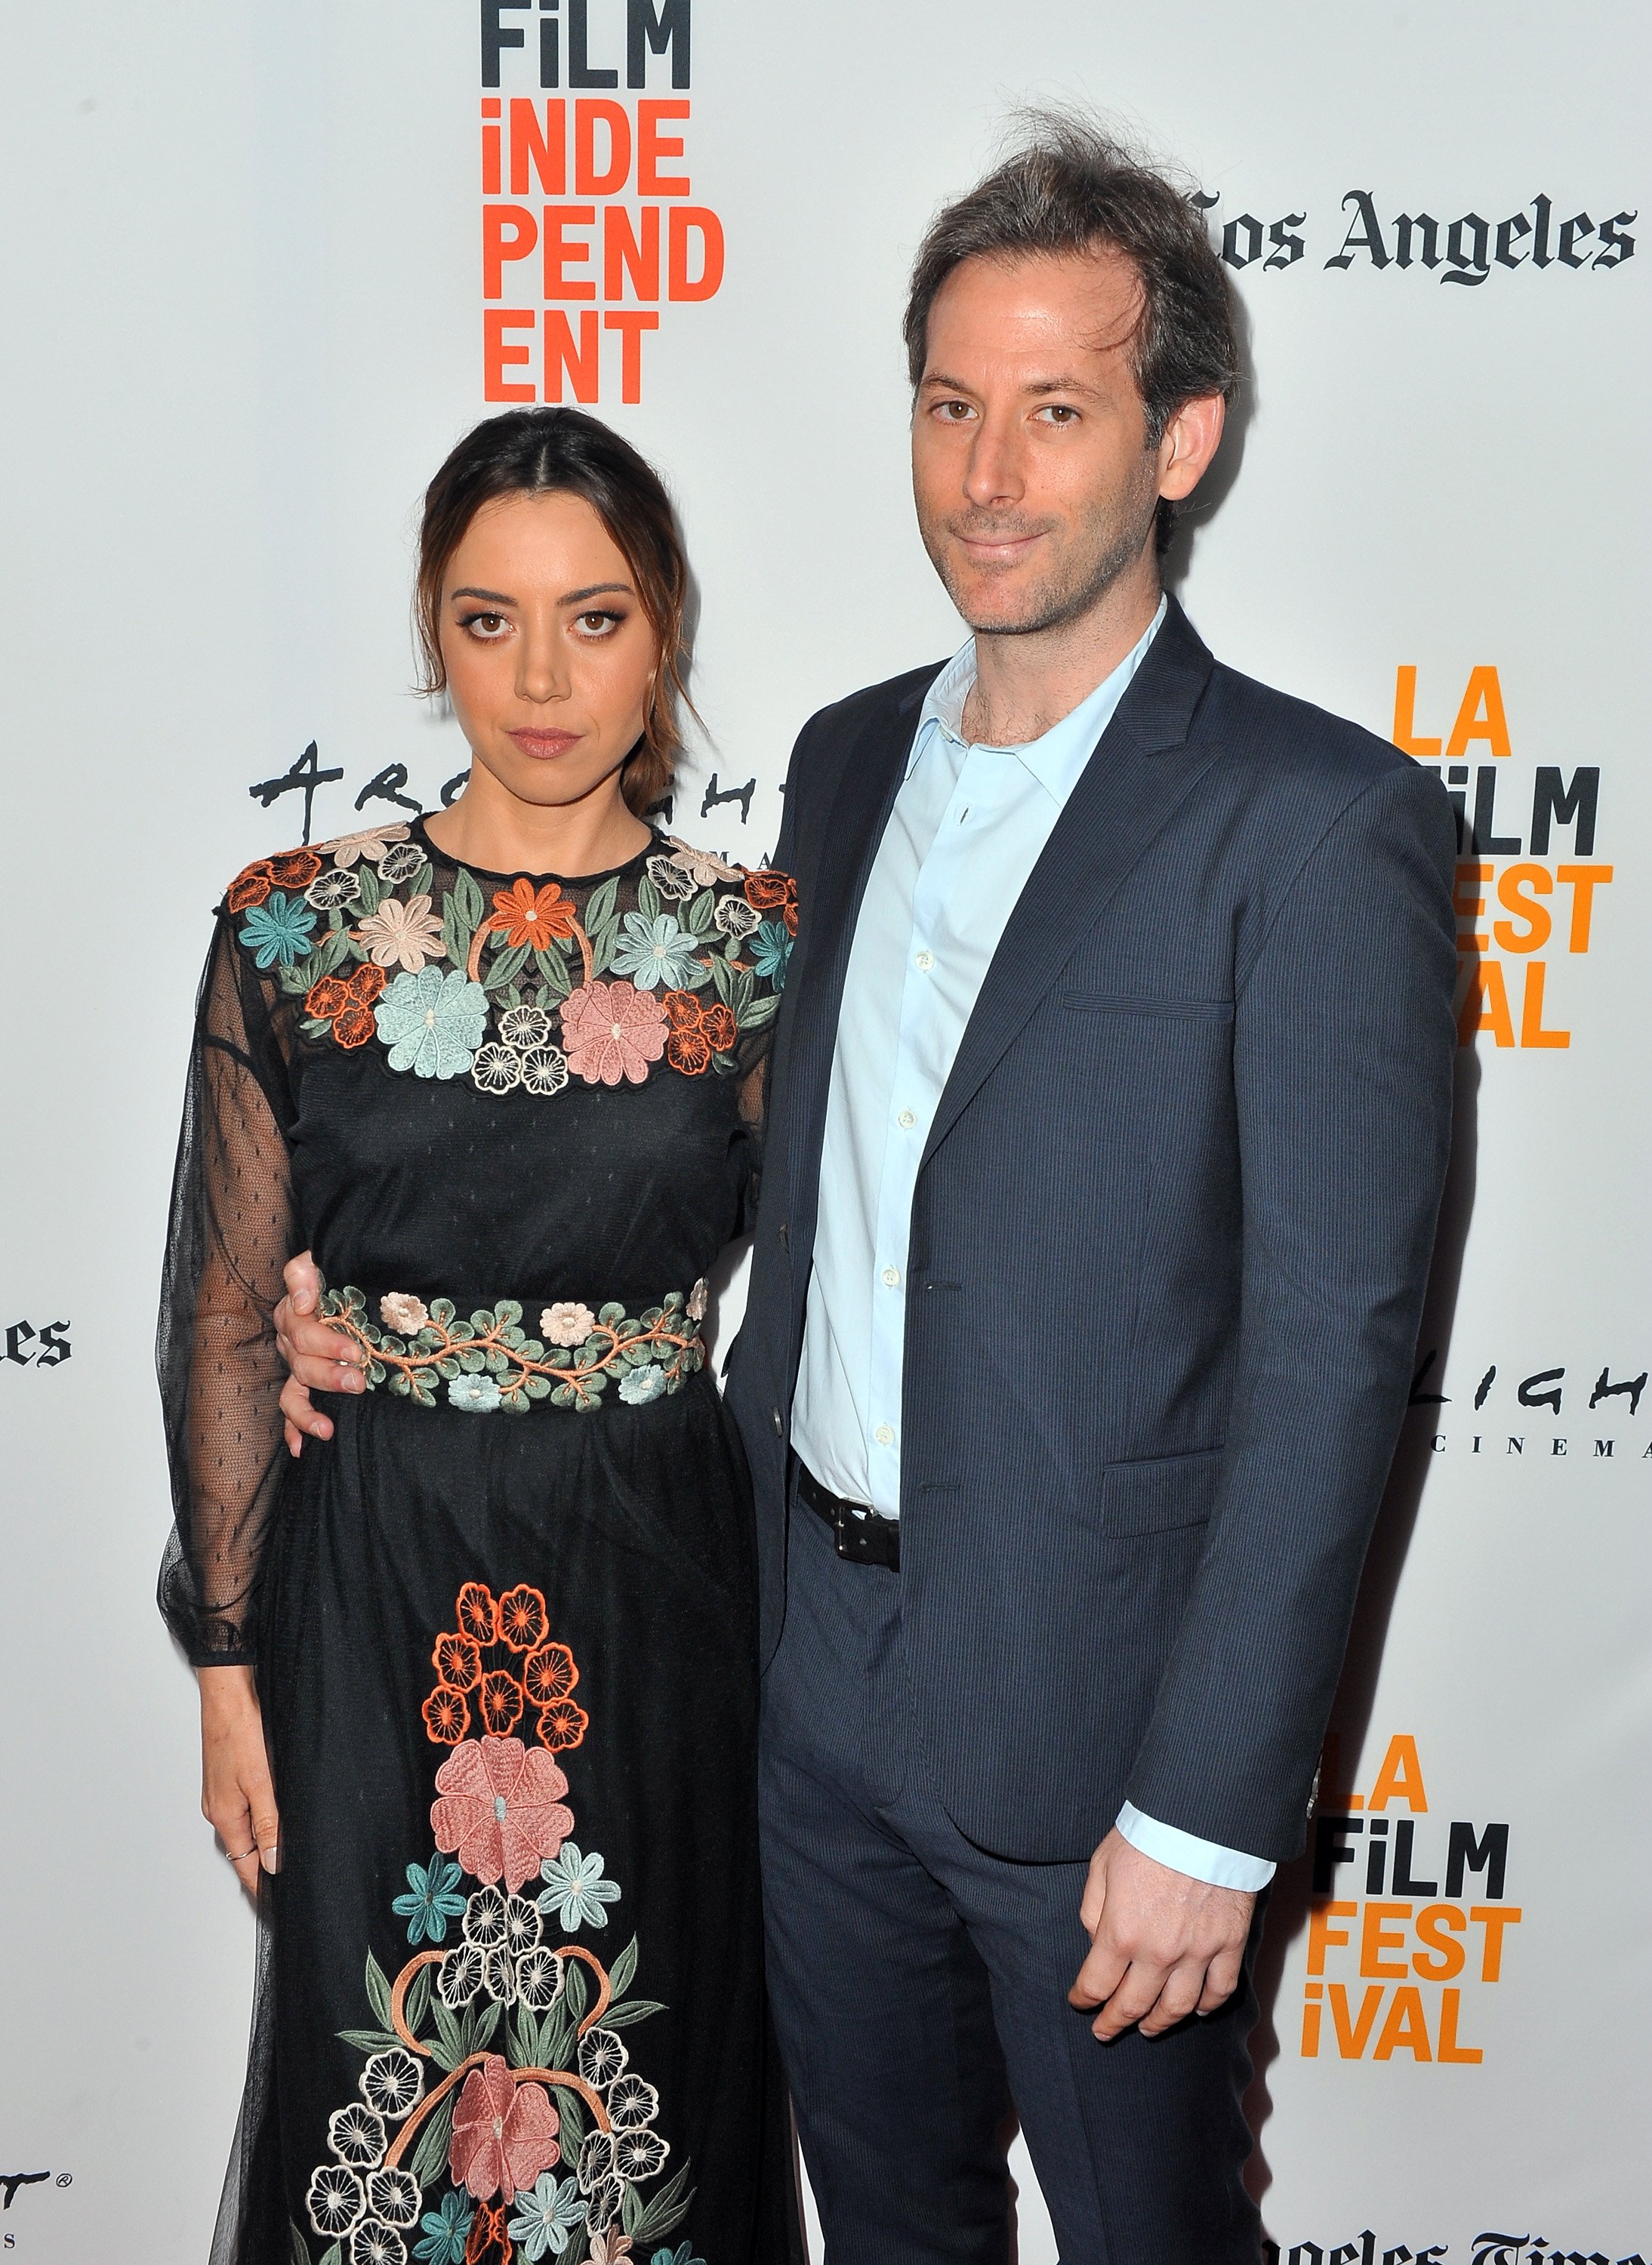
x=860 y=1538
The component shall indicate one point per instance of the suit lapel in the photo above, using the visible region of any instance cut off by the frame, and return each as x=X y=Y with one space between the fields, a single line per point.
x=1142 y=770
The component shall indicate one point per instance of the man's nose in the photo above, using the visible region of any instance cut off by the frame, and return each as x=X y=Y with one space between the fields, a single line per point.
x=993 y=474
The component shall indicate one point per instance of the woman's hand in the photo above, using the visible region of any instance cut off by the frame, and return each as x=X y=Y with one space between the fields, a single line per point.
x=237 y=1797
x=318 y=1359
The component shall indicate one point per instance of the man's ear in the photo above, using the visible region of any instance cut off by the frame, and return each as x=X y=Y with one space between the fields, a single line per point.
x=1190 y=440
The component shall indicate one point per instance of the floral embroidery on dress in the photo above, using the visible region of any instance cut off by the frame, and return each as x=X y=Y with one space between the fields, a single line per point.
x=499 y=2116
x=490 y=1362
x=524 y=988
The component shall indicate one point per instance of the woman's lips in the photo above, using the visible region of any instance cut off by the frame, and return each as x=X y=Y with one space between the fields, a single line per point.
x=544 y=744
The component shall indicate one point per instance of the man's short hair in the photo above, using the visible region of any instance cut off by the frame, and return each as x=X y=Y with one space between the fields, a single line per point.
x=1071 y=186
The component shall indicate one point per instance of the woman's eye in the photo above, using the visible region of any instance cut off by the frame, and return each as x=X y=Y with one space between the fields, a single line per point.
x=486 y=626
x=597 y=624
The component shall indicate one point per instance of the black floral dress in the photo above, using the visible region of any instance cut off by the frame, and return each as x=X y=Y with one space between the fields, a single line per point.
x=510 y=2000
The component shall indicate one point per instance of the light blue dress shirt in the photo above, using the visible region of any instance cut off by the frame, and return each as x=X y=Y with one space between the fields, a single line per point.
x=967 y=828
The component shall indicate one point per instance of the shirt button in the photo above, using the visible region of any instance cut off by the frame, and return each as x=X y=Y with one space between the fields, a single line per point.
x=924 y=962
x=780 y=1428
x=885 y=1435
x=906 y=1120
x=891 y=1278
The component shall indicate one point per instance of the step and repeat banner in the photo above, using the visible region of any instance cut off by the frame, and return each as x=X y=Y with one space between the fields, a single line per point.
x=262 y=266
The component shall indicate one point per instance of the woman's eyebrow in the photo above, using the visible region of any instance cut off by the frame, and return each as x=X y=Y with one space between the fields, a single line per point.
x=597 y=590
x=492 y=597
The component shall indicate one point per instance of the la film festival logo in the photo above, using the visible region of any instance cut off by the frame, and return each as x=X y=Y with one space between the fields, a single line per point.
x=588 y=224
x=1376 y=238
x=1529 y=875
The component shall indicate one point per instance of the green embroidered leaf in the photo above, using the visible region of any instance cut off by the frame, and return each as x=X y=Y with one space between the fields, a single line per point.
x=449 y=2051
x=647 y=899
x=370 y=2041
x=610 y=1316
x=467 y=898
x=556 y=2040
x=760 y=1012
x=703 y=912
x=455 y=933
x=372 y=889
x=723 y=979
x=537 y=1387
x=631 y=2210
x=486 y=2022
x=508 y=967
x=442 y=1311
x=572 y=2112
x=332 y=2254
x=574 y=1995
x=299 y=2248
x=417 y=1998
x=600 y=904
x=423 y=881
x=519 y=2042
x=622 y=1969
x=633 y=2009
x=744 y=991
x=430 y=2156
x=312 y=1029
x=666 y=2209
x=553 y=972
x=603 y=941
x=378 y=1990
x=335 y=947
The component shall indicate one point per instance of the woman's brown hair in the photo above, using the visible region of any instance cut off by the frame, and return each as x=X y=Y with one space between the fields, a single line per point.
x=562 y=451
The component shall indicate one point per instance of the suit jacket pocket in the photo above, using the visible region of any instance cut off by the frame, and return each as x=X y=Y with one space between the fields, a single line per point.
x=1109 y=1003
x=1161 y=1493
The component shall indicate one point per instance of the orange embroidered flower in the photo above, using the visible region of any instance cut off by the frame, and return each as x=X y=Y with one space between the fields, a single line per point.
x=533 y=916
x=769 y=892
x=550 y=1674
x=563 y=1725
x=698 y=1031
x=500 y=1700
x=294 y=868
x=326 y=999
x=475 y=1610
x=367 y=983
x=457 y=1659
x=250 y=886
x=522 y=1618
x=489 y=2241
x=347 y=1002
x=354 y=1027
x=447 y=1715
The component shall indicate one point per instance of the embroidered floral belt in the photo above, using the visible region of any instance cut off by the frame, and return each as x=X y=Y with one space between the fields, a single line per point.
x=488 y=1361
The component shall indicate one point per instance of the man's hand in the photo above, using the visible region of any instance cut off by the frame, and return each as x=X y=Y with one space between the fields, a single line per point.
x=319 y=1359
x=1162 y=1945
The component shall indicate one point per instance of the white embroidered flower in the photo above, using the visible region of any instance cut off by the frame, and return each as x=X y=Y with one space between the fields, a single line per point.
x=602 y=2057
x=566 y=1324
x=394 y=2197
x=673 y=884
x=373 y=2243
x=539 y=1979
x=461 y=1976
x=695 y=1308
x=735 y=917
x=356 y=2136
x=607 y=2197
x=631 y=2103
x=336 y=2199
x=484 y=1918
x=393 y=2082
x=374 y=844
x=596 y=2160
x=524 y=1027
x=700 y=864
x=399 y=1311
x=638 y=2154
x=639 y=1385
x=400 y=862
x=523 y=1925
x=498 y=1976
x=497 y=1068
x=330 y=892
x=544 y=1070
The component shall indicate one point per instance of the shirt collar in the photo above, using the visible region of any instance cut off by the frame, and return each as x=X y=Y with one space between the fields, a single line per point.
x=1055 y=760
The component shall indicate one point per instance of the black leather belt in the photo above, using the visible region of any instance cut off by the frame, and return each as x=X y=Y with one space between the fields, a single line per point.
x=861 y=1535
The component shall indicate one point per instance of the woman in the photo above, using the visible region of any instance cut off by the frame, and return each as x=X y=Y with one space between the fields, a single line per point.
x=502 y=1068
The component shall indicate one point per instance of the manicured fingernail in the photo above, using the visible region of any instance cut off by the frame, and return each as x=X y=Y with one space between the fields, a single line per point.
x=271 y=1859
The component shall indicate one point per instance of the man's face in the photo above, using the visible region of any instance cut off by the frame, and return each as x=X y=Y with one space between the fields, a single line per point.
x=1035 y=482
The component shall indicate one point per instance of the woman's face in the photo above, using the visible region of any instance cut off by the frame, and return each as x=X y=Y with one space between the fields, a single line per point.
x=551 y=659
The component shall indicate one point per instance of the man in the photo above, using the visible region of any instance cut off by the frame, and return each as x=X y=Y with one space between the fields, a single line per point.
x=1108 y=1117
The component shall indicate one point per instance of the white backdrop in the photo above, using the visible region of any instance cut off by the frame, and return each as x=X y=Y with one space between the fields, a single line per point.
x=243 y=277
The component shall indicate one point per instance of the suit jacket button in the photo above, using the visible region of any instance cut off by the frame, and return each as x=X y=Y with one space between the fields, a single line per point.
x=785 y=1236
x=780 y=1427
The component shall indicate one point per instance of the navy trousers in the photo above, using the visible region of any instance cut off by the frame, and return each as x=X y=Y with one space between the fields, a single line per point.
x=920 y=1986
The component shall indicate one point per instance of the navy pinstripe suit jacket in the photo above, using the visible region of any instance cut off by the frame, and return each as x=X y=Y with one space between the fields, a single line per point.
x=1169 y=1243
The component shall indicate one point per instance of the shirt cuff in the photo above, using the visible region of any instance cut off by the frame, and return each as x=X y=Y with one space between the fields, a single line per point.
x=1185 y=1852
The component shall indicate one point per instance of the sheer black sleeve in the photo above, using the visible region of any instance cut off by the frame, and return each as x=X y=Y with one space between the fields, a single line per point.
x=232 y=1229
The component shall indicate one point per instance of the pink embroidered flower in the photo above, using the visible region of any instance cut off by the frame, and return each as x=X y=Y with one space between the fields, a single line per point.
x=402 y=934
x=697 y=1300
x=503 y=2134
x=373 y=843
x=500 y=1808
x=565 y=1324
x=398 y=1311
x=700 y=865
x=611 y=1031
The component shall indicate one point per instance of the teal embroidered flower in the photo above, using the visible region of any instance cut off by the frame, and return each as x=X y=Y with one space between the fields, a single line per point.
x=547 y=2216
x=652 y=953
x=638 y=1386
x=431 y=1022
x=577 y=1889
x=770 y=949
x=475 y=1394
x=433 y=1902
x=445 y=2232
x=279 y=928
x=683 y=2255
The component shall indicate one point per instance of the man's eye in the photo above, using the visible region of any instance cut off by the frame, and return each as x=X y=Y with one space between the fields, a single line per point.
x=1058 y=413
x=954 y=412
